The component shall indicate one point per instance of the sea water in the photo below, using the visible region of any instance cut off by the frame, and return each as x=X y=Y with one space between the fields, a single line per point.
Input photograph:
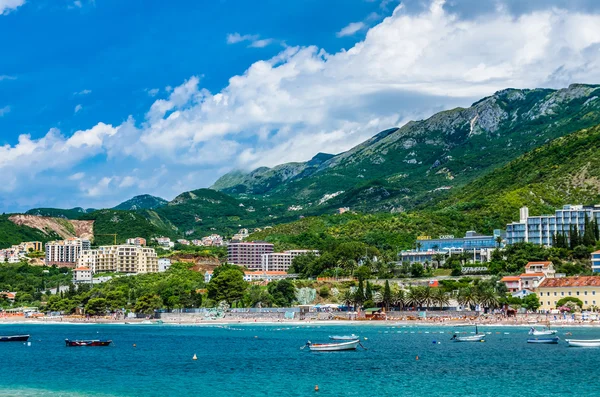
x=252 y=360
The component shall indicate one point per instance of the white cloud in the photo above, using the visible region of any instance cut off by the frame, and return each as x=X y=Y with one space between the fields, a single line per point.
x=77 y=176
x=153 y=92
x=4 y=110
x=78 y=108
x=83 y=92
x=351 y=29
x=77 y=3
x=254 y=39
x=8 y=5
x=234 y=38
x=305 y=100
x=5 y=76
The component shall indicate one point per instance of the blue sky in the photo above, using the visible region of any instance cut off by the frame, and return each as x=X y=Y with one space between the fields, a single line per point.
x=102 y=100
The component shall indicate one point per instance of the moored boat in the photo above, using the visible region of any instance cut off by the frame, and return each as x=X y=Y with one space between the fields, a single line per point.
x=552 y=341
x=469 y=338
x=541 y=332
x=583 y=342
x=14 y=338
x=344 y=337
x=94 y=342
x=332 y=347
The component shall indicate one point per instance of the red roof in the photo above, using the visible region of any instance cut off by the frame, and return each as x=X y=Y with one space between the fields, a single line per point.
x=545 y=264
x=82 y=268
x=532 y=275
x=510 y=278
x=596 y=252
x=577 y=281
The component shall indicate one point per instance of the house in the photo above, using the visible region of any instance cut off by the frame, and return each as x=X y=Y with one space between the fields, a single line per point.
x=541 y=267
x=531 y=281
x=82 y=274
x=257 y=276
x=9 y=296
x=584 y=288
x=164 y=264
x=513 y=283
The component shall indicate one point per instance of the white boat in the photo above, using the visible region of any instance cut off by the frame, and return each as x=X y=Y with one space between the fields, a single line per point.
x=541 y=332
x=344 y=337
x=333 y=347
x=469 y=338
x=584 y=342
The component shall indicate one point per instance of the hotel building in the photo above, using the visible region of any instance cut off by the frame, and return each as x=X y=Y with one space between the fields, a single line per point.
x=120 y=259
x=65 y=253
x=478 y=246
x=248 y=254
x=584 y=288
x=257 y=276
x=596 y=261
x=541 y=229
x=281 y=261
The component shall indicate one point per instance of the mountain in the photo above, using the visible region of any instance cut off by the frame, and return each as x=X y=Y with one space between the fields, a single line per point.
x=72 y=213
x=18 y=228
x=143 y=202
x=422 y=161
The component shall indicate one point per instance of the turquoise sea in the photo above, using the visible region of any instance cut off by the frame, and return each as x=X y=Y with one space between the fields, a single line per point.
x=251 y=360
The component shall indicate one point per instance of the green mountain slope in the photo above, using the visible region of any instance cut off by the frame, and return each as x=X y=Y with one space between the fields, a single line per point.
x=11 y=234
x=142 y=202
x=72 y=213
x=420 y=162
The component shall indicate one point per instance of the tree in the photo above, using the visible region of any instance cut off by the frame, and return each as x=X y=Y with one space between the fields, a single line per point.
x=282 y=292
x=414 y=297
x=563 y=301
x=96 y=306
x=438 y=258
x=466 y=297
x=417 y=270
x=362 y=273
x=531 y=302
x=440 y=298
x=387 y=295
x=228 y=286
x=359 y=295
x=368 y=291
x=399 y=298
x=147 y=304
x=257 y=296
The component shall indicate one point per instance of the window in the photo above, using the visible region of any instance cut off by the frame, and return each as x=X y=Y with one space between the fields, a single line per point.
x=562 y=294
x=577 y=293
x=555 y=294
x=585 y=292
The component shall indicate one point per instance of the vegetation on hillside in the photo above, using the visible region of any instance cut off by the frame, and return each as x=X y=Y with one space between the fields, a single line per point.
x=11 y=234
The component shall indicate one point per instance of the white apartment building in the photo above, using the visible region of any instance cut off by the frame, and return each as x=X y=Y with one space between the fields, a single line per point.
x=120 y=259
x=542 y=229
x=138 y=241
x=165 y=242
x=164 y=264
x=64 y=253
x=281 y=261
x=82 y=274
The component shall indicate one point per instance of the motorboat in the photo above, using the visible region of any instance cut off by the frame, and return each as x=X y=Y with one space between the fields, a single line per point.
x=344 y=337
x=541 y=332
x=551 y=341
x=469 y=338
x=332 y=347
x=94 y=342
x=583 y=342
x=14 y=338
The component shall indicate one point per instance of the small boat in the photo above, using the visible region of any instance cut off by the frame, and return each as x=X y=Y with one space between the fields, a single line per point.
x=149 y=322
x=541 y=332
x=469 y=338
x=332 y=347
x=95 y=342
x=14 y=338
x=551 y=341
x=344 y=337
x=583 y=342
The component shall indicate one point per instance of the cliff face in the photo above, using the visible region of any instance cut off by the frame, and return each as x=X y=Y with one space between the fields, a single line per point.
x=62 y=227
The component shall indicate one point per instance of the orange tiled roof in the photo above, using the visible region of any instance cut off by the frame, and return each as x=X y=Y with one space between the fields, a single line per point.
x=510 y=278
x=82 y=268
x=577 y=281
x=532 y=275
x=546 y=264
x=596 y=252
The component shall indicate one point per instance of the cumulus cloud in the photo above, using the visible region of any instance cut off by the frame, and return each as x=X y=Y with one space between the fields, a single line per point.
x=305 y=100
x=83 y=92
x=7 y=6
x=153 y=92
x=351 y=29
x=4 y=110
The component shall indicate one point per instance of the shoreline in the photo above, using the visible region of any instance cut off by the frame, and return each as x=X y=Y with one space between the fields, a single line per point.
x=295 y=323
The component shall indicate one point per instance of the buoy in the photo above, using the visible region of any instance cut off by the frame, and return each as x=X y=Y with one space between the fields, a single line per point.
x=255 y=337
x=194 y=358
x=316 y=387
x=434 y=342
x=366 y=338
x=439 y=343
x=417 y=358
x=134 y=345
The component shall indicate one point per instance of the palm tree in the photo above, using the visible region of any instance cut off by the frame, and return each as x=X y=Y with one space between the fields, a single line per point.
x=440 y=298
x=466 y=297
x=438 y=258
x=498 y=241
x=348 y=297
x=414 y=297
x=426 y=296
x=399 y=298
x=488 y=298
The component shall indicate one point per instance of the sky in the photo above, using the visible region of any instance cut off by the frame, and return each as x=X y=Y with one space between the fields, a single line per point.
x=102 y=100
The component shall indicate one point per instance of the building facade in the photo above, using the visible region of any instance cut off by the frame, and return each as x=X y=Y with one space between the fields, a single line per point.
x=543 y=229
x=281 y=261
x=138 y=241
x=584 y=288
x=248 y=254
x=258 y=276
x=120 y=259
x=535 y=274
x=82 y=275
x=596 y=261
x=64 y=253
x=164 y=264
